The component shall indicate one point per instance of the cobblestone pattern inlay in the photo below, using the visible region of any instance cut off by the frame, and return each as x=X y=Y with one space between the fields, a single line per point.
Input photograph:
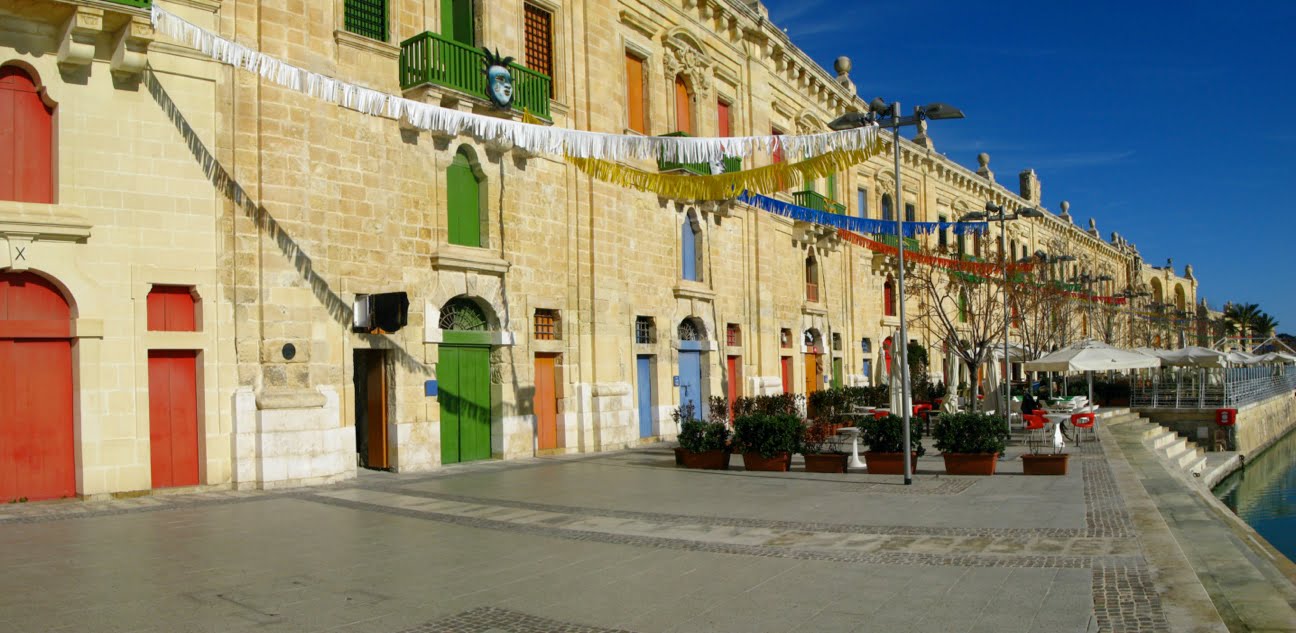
x=1125 y=599
x=496 y=620
x=875 y=558
x=1105 y=513
x=772 y=524
x=72 y=509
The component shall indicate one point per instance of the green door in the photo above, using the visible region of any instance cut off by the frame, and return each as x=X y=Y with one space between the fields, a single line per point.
x=457 y=21
x=837 y=373
x=463 y=391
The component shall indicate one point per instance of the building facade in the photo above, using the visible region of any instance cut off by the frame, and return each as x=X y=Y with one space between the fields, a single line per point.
x=251 y=287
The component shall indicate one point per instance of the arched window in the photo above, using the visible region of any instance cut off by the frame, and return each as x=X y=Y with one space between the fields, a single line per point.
x=683 y=107
x=812 y=278
x=691 y=330
x=464 y=199
x=887 y=207
x=691 y=249
x=889 y=297
x=462 y=314
x=26 y=139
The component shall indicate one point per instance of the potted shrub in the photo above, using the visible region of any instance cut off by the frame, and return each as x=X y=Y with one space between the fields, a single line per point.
x=1037 y=463
x=767 y=441
x=820 y=449
x=885 y=441
x=970 y=443
x=702 y=443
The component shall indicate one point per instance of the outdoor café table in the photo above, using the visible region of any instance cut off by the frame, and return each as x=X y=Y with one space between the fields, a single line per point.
x=853 y=432
x=1056 y=417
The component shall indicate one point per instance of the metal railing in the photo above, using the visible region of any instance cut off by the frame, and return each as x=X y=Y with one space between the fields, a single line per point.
x=730 y=163
x=429 y=58
x=911 y=243
x=1189 y=388
x=817 y=201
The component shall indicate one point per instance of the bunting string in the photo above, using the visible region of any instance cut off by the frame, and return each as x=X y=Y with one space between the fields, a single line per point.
x=540 y=139
x=859 y=225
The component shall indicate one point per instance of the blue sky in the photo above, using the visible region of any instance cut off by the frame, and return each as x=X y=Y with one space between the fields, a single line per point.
x=1173 y=124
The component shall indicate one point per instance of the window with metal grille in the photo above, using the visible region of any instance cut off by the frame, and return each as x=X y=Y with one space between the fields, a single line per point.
x=548 y=326
x=836 y=342
x=733 y=335
x=911 y=214
x=367 y=18
x=539 y=42
x=645 y=331
x=689 y=330
x=785 y=338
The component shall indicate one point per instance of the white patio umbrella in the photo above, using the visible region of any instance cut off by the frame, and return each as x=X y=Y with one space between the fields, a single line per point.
x=1193 y=356
x=1278 y=357
x=1089 y=357
x=1243 y=358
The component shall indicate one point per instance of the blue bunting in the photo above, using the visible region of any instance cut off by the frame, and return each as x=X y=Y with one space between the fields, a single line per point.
x=863 y=226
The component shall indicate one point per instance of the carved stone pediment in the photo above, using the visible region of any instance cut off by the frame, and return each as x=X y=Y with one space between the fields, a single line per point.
x=683 y=56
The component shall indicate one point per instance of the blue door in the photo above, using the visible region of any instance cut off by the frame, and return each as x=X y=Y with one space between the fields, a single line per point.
x=690 y=381
x=643 y=367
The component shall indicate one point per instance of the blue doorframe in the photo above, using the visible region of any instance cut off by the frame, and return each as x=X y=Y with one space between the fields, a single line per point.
x=690 y=381
x=643 y=369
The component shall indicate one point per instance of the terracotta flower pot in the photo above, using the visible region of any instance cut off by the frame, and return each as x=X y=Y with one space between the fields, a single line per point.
x=679 y=456
x=825 y=463
x=1047 y=464
x=778 y=463
x=889 y=463
x=970 y=463
x=707 y=460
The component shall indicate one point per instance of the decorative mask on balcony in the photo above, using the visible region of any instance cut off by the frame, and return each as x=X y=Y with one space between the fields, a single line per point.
x=499 y=81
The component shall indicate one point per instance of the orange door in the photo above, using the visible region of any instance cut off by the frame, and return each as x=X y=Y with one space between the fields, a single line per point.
x=36 y=445
x=376 y=411
x=814 y=372
x=546 y=402
x=173 y=417
x=735 y=381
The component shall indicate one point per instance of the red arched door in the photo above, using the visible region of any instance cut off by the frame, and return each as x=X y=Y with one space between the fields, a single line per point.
x=36 y=450
x=26 y=139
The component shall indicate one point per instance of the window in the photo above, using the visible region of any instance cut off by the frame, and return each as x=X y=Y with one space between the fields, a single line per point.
x=778 y=149
x=812 y=279
x=690 y=249
x=911 y=215
x=785 y=338
x=645 y=331
x=636 y=104
x=889 y=297
x=836 y=342
x=886 y=207
x=861 y=202
x=866 y=345
x=962 y=244
x=539 y=42
x=724 y=119
x=943 y=239
x=367 y=18
x=548 y=325
x=461 y=314
x=457 y=21
x=683 y=107
x=171 y=309
x=690 y=330
x=26 y=139
x=464 y=200
x=733 y=335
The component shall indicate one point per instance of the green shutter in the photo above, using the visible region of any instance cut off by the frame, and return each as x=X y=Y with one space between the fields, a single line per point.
x=448 y=402
x=837 y=373
x=831 y=193
x=367 y=18
x=463 y=200
x=457 y=21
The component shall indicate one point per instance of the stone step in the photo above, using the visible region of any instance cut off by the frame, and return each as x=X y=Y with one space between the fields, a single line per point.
x=1196 y=465
x=1173 y=450
x=1192 y=455
x=1165 y=438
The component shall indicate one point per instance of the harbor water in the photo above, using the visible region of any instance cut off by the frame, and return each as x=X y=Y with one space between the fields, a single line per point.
x=1263 y=494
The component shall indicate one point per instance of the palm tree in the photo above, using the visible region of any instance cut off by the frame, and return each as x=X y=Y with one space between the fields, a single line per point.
x=1240 y=319
x=1264 y=325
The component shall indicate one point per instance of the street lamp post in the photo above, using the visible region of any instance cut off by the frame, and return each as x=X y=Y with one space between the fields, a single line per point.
x=996 y=213
x=888 y=117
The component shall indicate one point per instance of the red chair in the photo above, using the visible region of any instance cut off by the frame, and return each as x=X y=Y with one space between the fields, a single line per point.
x=1039 y=412
x=1034 y=424
x=1082 y=421
x=878 y=415
x=923 y=411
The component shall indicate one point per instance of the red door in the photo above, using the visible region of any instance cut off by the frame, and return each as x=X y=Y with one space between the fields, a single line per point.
x=173 y=417
x=735 y=381
x=546 y=403
x=785 y=366
x=36 y=448
x=26 y=139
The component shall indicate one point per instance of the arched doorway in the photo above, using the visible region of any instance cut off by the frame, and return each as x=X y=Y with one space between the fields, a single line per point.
x=37 y=459
x=463 y=382
x=692 y=340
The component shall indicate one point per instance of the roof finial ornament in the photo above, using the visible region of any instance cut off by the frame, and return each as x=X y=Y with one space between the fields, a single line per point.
x=1066 y=212
x=983 y=159
x=843 y=67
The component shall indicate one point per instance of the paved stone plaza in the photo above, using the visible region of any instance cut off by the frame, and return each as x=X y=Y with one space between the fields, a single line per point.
x=622 y=541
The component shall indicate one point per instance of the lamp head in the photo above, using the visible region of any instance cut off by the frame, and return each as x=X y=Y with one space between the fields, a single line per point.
x=850 y=121
x=879 y=107
x=937 y=111
x=1030 y=212
x=991 y=207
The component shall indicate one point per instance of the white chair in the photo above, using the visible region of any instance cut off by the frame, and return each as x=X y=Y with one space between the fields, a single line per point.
x=1015 y=412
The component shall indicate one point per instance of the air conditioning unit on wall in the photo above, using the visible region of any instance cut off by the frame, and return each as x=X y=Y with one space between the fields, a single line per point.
x=383 y=313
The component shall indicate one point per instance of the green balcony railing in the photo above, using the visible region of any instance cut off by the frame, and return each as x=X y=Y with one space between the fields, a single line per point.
x=817 y=201
x=144 y=4
x=429 y=58
x=731 y=163
x=911 y=243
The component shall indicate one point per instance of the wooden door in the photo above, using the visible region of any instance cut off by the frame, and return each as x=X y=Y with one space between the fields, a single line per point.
x=734 y=365
x=643 y=373
x=785 y=371
x=370 y=380
x=36 y=441
x=837 y=373
x=463 y=394
x=26 y=139
x=545 y=402
x=690 y=381
x=813 y=372
x=173 y=417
